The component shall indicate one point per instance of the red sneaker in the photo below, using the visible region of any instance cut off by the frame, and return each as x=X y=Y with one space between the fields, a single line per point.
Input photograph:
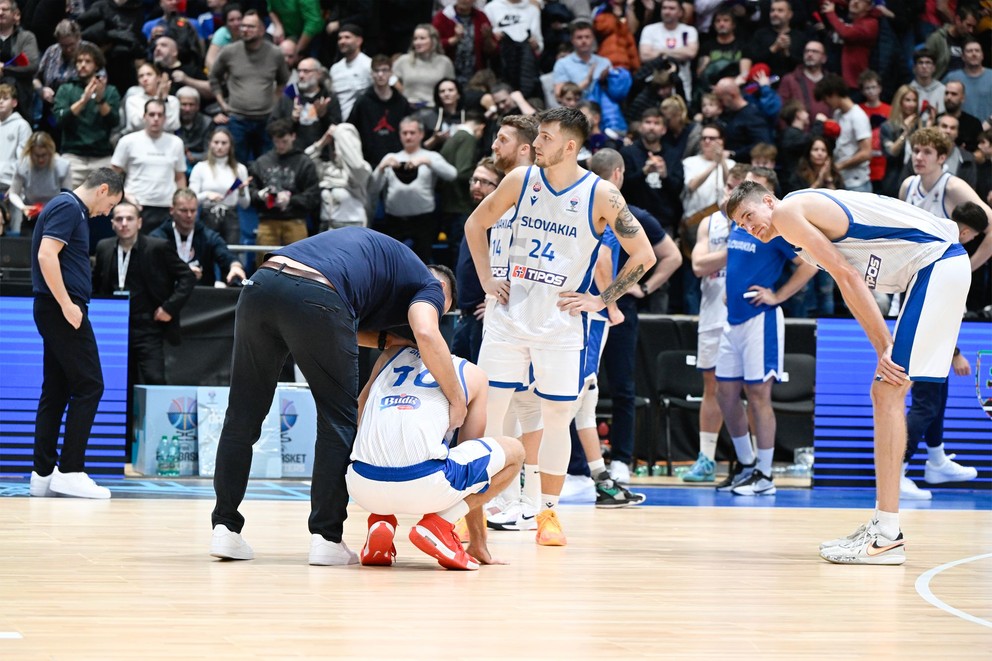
x=379 y=549
x=437 y=538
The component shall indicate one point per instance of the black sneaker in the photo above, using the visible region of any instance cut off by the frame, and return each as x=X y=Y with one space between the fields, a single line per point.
x=632 y=496
x=610 y=495
x=738 y=473
x=757 y=484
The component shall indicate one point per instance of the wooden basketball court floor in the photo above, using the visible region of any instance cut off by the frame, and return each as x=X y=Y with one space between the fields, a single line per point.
x=690 y=575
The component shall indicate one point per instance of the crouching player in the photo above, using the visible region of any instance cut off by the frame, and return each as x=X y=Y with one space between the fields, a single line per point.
x=402 y=464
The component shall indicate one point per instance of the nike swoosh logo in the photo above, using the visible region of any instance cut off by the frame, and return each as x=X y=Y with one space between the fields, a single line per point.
x=875 y=549
x=526 y=518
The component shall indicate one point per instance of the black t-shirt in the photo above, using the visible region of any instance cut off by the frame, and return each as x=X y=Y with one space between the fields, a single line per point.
x=376 y=275
x=721 y=57
x=65 y=219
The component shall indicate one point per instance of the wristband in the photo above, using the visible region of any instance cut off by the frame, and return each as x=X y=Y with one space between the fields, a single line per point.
x=382 y=340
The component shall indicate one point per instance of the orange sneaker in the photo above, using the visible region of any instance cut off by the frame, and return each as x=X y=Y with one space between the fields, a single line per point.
x=461 y=529
x=437 y=538
x=379 y=549
x=549 y=532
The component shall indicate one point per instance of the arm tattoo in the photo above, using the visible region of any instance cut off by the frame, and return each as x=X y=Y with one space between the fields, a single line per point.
x=626 y=225
x=622 y=283
x=615 y=199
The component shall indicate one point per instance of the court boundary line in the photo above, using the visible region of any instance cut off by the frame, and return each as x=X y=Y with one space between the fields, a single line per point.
x=923 y=589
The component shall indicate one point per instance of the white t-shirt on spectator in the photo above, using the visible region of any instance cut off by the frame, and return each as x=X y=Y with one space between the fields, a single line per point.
x=709 y=192
x=349 y=80
x=150 y=166
x=854 y=127
x=662 y=39
x=518 y=21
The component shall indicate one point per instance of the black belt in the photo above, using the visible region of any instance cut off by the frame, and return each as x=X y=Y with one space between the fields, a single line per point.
x=273 y=265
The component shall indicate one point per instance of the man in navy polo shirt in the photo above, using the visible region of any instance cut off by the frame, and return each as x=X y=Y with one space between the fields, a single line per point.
x=319 y=299
x=61 y=281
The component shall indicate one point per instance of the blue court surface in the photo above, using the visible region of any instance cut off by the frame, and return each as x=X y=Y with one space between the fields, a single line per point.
x=657 y=496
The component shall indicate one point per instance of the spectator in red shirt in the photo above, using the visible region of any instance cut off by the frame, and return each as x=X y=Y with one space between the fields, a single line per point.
x=860 y=35
x=466 y=37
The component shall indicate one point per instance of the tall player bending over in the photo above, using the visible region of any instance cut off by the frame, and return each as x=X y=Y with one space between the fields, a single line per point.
x=537 y=326
x=866 y=242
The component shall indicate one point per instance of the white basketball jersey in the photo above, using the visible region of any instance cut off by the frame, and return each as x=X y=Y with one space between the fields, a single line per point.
x=500 y=236
x=887 y=240
x=932 y=200
x=713 y=288
x=405 y=418
x=553 y=250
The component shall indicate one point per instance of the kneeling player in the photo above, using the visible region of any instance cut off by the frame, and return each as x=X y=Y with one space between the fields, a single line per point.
x=401 y=462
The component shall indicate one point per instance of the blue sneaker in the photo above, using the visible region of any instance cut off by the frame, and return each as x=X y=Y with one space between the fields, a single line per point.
x=704 y=470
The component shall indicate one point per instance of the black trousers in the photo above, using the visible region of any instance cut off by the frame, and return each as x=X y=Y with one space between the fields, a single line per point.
x=73 y=384
x=619 y=360
x=467 y=339
x=418 y=232
x=278 y=315
x=146 y=355
x=152 y=217
x=925 y=418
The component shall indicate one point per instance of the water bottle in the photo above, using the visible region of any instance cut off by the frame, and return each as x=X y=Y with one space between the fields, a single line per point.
x=162 y=457
x=174 y=457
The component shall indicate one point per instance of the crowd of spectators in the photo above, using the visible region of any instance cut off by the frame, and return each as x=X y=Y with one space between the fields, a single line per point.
x=290 y=117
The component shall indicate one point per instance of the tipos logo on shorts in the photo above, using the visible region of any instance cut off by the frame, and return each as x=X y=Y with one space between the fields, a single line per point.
x=871 y=273
x=401 y=402
x=524 y=273
x=499 y=271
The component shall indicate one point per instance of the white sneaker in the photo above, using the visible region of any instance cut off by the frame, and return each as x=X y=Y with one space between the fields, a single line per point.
x=909 y=491
x=578 y=489
x=949 y=471
x=77 y=485
x=229 y=545
x=869 y=547
x=844 y=540
x=757 y=484
x=495 y=506
x=528 y=515
x=41 y=487
x=324 y=553
x=620 y=472
x=518 y=515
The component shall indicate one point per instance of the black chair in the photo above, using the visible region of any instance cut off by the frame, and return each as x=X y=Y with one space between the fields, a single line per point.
x=679 y=387
x=793 y=403
x=655 y=333
x=796 y=394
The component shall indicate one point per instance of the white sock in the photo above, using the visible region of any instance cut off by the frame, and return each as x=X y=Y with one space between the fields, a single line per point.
x=532 y=482
x=455 y=512
x=548 y=502
x=745 y=453
x=597 y=468
x=888 y=523
x=707 y=444
x=765 y=461
x=512 y=491
x=936 y=455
